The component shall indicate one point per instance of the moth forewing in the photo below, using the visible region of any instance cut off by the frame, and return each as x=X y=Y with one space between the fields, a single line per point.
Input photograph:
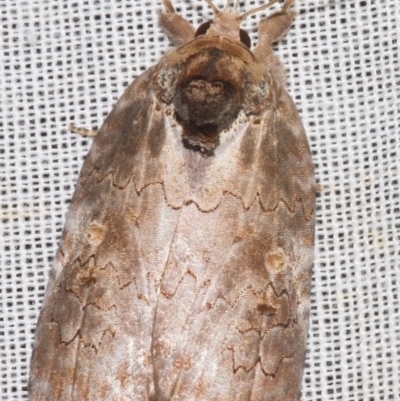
x=183 y=272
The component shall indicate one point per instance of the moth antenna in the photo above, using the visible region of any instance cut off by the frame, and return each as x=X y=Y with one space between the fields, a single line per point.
x=211 y=4
x=256 y=10
x=168 y=6
x=237 y=4
x=227 y=5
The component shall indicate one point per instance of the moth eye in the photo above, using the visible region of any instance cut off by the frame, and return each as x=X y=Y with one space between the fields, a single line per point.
x=203 y=28
x=245 y=38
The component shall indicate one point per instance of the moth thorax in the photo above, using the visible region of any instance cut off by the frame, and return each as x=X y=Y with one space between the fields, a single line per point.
x=209 y=97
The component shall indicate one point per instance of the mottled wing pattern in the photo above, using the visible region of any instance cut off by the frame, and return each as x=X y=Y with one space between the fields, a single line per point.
x=232 y=315
x=95 y=330
x=182 y=277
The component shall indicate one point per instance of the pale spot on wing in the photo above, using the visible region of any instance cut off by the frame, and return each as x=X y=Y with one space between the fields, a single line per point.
x=275 y=259
x=95 y=234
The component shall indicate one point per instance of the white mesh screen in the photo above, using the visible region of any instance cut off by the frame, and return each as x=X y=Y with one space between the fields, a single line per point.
x=67 y=62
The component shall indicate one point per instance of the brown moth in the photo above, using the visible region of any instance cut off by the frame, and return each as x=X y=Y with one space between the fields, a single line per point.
x=183 y=272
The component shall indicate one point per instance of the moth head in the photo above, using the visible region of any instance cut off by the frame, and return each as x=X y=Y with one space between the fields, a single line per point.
x=227 y=23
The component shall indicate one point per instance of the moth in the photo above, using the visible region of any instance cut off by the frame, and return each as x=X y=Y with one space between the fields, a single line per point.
x=183 y=271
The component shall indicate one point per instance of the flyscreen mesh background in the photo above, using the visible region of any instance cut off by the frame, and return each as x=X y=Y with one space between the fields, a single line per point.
x=67 y=62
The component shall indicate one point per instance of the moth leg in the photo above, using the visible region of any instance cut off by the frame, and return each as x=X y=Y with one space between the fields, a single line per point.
x=176 y=27
x=83 y=131
x=271 y=30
